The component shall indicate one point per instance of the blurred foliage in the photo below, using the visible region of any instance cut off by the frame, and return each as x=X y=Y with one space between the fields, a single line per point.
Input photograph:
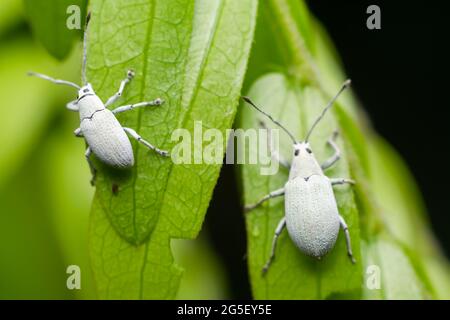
x=10 y=15
x=36 y=246
x=49 y=19
x=203 y=276
x=45 y=196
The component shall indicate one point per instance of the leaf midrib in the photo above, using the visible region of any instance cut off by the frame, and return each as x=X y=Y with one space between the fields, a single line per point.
x=151 y=16
x=183 y=123
x=142 y=95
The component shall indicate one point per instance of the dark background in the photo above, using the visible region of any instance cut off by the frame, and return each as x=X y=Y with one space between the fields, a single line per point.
x=397 y=74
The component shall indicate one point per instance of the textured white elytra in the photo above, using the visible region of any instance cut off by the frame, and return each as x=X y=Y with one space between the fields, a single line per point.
x=102 y=131
x=312 y=217
x=105 y=135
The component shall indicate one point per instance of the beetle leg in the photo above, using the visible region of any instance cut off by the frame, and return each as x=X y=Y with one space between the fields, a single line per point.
x=278 y=231
x=156 y=102
x=347 y=239
x=72 y=106
x=271 y=195
x=87 y=154
x=338 y=181
x=78 y=133
x=337 y=152
x=274 y=153
x=136 y=136
x=118 y=94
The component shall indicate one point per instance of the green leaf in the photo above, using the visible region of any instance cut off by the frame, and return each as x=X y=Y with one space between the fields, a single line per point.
x=199 y=74
x=438 y=271
x=282 y=39
x=204 y=276
x=398 y=278
x=48 y=20
x=402 y=210
x=31 y=266
x=399 y=201
x=294 y=275
x=10 y=15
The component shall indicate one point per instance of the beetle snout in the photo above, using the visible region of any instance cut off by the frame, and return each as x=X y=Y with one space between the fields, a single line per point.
x=85 y=90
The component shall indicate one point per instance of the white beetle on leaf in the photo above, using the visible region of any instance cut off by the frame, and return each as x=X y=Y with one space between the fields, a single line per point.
x=104 y=135
x=311 y=213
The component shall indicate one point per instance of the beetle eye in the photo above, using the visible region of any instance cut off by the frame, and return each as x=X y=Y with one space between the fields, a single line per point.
x=296 y=152
x=308 y=150
x=86 y=90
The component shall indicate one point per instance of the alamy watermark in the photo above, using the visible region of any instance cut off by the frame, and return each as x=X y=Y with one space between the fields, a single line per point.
x=373 y=277
x=73 y=281
x=374 y=20
x=73 y=21
x=206 y=146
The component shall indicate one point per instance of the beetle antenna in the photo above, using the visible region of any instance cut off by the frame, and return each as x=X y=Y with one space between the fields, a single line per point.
x=55 y=81
x=345 y=85
x=83 y=67
x=250 y=102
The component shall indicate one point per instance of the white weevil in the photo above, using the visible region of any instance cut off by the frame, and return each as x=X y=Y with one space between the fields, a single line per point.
x=311 y=214
x=104 y=135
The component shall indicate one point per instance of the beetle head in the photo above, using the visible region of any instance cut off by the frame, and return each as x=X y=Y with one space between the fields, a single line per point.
x=85 y=91
x=302 y=149
x=304 y=163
